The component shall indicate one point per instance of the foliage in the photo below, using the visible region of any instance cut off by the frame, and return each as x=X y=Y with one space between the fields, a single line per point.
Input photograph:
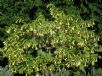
x=51 y=45
x=11 y=10
x=5 y=72
x=91 y=9
x=39 y=36
x=82 y=72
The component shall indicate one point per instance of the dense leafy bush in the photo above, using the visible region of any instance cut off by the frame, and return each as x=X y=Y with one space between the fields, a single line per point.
x=51 y=45
x=36 y=37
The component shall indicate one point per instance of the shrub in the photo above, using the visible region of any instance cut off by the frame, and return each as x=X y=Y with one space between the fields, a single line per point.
x=43 y=45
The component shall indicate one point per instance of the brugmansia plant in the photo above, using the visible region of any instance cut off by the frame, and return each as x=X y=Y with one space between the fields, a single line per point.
x=51 y=45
